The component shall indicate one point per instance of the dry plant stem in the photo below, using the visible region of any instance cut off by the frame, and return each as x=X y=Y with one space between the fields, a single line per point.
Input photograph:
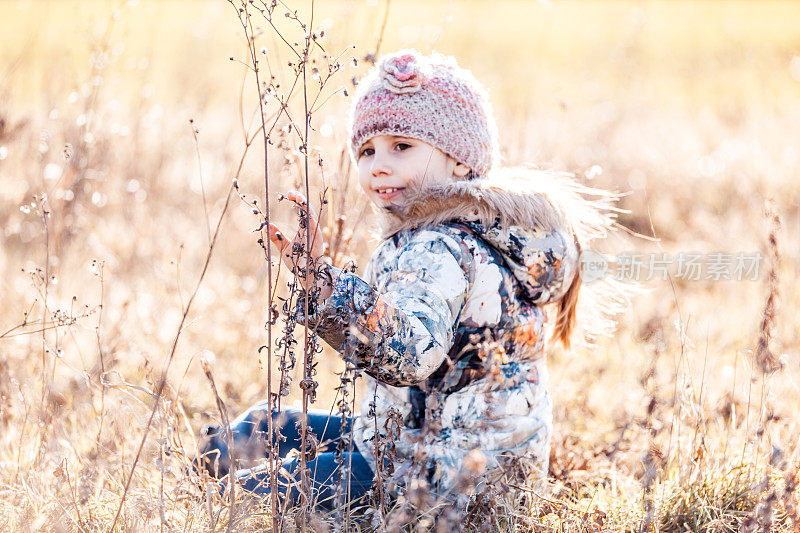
x=162 y=383
x=24 y=323
x=195 y=133
x=764 y=358
x=350 y=460
x=209 y=504
x=44 y=305
x=761 y=423
x=273 y=480
x=22 y=431
x=161 y=484
x=77 y=172
x=279 y=34
x=46 y=384
x=378 y=461
x=307 y=344
x=79 y=520
x=272 y=405
x=732 y=417
x=693 y=450
x=101 y=356
x=746 y=432
x=181 y=410
x=586 y=514
x=683 y=341
x=747 y=416
x=241 y=102
x=47 y=327
x=383 y=30
x=163 y=380
x=229 y=438
x=677 y=404
x=345 y=407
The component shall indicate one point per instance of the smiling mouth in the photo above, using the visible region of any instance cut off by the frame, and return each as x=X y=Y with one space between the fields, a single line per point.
x=386 y=193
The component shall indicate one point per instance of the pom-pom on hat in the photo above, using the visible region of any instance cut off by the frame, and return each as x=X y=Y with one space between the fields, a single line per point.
x=429 y=98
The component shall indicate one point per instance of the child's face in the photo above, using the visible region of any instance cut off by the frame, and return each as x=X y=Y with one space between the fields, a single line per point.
x=387 y=164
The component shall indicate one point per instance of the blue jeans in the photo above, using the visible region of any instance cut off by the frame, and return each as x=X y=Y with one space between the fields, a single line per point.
x=250 y=433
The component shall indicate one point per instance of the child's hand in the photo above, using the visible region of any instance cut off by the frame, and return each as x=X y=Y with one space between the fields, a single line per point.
x=293 y=253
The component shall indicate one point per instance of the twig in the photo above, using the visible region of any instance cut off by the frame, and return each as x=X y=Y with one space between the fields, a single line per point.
x=273 y=482
x=163 y=379
x=98 y=336
x=229 y=438
x=383 y=30
x=195 y=133
x=307 y=349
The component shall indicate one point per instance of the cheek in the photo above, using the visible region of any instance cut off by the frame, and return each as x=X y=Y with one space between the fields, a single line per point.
x=433 y=169
x=364 y=178
x=447 y=164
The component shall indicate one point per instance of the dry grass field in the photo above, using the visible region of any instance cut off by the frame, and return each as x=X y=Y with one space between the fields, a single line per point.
x=123 y=124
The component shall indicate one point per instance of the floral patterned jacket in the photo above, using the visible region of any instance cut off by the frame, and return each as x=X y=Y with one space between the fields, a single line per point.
x=448 y=324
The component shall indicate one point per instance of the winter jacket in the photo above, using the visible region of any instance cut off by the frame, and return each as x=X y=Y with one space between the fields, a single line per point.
x=448 y=323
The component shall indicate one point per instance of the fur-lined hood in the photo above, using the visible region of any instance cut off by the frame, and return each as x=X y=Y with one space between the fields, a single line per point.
x=520 y=196
x=522 y=205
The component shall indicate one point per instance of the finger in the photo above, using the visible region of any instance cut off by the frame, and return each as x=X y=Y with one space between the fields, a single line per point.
x=277 y=238
x=313 y=224
x=313 y=227
x=296 y=196
x=299 y=199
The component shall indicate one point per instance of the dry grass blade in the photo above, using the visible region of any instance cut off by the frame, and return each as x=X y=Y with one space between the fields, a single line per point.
x=766 y=360
x=163 y=380
x=106 y=194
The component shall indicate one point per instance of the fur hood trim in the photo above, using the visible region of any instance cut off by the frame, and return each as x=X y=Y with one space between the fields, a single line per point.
x=519 y=196
x=529 y=197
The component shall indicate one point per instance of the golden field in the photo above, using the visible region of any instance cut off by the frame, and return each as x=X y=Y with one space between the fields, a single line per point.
x=692 y=109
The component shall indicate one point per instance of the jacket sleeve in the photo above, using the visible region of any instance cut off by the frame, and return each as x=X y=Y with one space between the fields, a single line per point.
x=402 y=333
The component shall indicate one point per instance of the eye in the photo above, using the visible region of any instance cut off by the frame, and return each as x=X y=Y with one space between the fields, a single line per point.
x=366 y=151
x=402 y=146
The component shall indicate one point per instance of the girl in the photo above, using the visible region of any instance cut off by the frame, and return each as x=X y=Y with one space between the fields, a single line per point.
x=448 y=321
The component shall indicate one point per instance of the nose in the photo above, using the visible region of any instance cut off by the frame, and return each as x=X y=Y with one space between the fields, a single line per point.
x=380 y=165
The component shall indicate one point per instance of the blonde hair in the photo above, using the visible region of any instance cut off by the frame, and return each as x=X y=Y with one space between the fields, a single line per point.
x=588 y=310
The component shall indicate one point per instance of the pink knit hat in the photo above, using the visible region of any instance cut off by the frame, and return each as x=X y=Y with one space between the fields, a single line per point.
x=429 y=98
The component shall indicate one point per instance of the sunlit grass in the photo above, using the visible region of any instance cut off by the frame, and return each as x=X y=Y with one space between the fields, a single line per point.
x=689 y=107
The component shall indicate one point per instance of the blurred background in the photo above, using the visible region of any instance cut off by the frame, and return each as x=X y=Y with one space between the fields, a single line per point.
x=132 y=118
